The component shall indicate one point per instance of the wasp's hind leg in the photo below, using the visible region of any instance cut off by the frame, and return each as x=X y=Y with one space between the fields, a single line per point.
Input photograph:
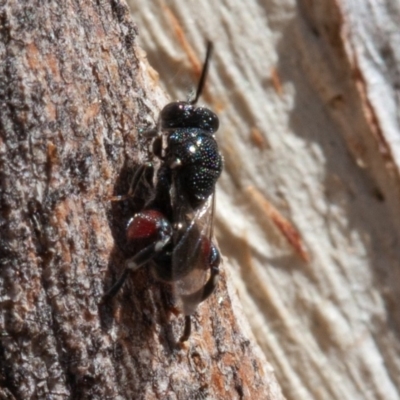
x=152 y=227
x=211 y=284
x=132 y=264
x=187 y=329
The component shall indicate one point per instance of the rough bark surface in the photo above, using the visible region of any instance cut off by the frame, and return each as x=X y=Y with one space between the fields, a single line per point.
x=75 y=95
x=308 y=209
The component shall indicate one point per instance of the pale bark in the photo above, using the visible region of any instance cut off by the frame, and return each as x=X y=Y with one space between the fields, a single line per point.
x=308 y=95
x=75 y=95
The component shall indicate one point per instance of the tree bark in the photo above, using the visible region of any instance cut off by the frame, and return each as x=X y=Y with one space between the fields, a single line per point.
x=76 y=93
x=308 y=210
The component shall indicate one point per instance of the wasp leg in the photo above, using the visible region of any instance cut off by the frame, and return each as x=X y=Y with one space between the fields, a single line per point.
x=187 y=329
x=134 y=263
x=211 y=284
x=201 y=294
x=134 y=183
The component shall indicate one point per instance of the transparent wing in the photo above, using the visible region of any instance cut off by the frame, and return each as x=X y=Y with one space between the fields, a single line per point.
x=190 y=256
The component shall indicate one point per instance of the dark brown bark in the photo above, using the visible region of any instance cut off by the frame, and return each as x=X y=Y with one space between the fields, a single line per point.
x=72 y=104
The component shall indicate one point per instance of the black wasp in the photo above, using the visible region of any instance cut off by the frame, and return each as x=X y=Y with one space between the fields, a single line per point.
x=174 y=231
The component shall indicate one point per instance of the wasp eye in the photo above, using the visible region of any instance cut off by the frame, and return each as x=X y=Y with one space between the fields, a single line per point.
x=176 y=115
x=206 y=119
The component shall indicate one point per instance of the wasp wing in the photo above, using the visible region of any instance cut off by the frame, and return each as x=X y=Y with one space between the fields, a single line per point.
x=191 y=252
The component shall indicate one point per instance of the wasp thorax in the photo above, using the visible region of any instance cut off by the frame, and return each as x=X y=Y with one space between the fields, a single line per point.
x=195 y=156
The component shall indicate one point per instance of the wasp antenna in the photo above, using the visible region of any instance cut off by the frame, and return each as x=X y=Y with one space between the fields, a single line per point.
x=203 y=72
